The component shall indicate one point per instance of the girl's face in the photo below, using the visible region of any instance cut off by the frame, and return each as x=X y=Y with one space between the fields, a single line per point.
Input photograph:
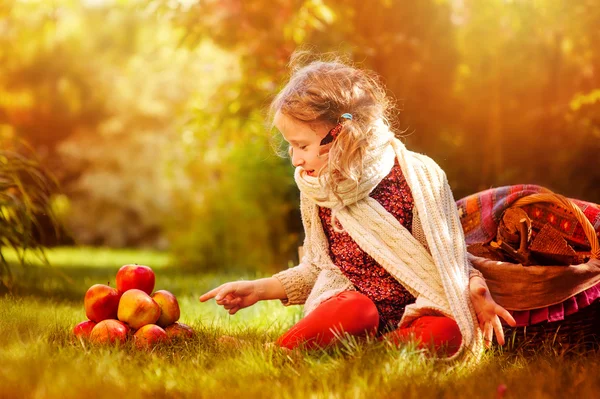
x=304 y=140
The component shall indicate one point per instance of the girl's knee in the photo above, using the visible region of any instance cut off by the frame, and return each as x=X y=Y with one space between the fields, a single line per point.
x=361 y=306
x=357 y=312
x=437 y=324
x=438 y=333
x=348 y=312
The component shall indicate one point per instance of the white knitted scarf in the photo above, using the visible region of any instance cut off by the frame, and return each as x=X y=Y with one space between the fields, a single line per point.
x=438 y=280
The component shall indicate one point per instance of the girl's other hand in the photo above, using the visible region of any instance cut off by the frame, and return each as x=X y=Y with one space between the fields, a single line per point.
x=488 y=311
x=233 y=296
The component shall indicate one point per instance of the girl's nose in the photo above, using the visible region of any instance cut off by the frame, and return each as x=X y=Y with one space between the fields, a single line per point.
x=296 y=160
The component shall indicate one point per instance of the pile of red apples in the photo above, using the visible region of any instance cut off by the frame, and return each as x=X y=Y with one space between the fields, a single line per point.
x=131 y=311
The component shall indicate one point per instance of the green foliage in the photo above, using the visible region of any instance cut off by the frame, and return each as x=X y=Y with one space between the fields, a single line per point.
x=235 y=211
x=245 y=198
x=513 y=90
x=149 y=112
x=582 y=124
x=101 y=92
x=25 y=201
x=483 y=87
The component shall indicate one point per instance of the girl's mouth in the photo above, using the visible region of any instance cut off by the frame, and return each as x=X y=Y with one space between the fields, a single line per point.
x=310 y=172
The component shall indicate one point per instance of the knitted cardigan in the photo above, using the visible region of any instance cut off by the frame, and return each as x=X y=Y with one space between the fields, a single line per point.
x=434 y=269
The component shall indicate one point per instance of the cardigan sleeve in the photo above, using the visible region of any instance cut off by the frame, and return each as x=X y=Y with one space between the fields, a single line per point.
x=298 y=282
x=473 y=271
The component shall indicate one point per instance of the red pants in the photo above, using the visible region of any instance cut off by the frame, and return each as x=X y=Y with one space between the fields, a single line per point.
x=354 y=313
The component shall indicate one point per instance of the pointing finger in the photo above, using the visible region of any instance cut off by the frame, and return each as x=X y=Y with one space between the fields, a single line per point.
x=210 y=294
x=226 y=289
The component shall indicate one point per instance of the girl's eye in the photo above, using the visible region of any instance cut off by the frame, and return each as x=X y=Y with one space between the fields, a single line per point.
x=303 y=147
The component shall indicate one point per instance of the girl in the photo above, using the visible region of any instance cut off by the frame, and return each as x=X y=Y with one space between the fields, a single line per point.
x=384 y=249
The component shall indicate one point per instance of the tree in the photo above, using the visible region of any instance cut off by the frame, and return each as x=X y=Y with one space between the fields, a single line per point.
x=521 y=66
x=414 y=62
x=102 y=92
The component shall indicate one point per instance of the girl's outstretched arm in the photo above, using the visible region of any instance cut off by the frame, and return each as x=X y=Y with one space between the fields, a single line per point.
x=237 y=295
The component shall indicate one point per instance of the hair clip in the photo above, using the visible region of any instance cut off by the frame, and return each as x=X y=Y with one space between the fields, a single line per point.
x=333 y=133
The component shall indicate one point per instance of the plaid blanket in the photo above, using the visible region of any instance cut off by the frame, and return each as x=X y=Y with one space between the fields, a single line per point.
x=480 y=214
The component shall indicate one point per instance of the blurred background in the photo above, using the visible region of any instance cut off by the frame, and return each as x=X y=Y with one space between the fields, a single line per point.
x=148 y=117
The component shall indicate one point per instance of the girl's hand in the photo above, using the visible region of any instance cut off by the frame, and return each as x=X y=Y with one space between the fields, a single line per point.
x=233 y=296
x=487 y=311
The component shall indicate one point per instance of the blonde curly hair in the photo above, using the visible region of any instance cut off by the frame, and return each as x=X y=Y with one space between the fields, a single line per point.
x=319 y=92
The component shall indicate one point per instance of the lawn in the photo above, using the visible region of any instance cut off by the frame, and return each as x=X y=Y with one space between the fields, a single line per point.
x=39 y=358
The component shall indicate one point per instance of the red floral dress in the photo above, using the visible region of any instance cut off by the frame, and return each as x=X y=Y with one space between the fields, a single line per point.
x=368 y=277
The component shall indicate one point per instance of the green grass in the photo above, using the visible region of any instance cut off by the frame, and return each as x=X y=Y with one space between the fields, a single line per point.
x=40 y=359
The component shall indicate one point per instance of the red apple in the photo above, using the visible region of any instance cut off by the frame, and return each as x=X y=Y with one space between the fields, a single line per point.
x=179 y=331
x=135 y=277
x=136 y=308
x=101 y=302
x=109 y=331
x=83 y=329
x=169 y=308
x=149 y=335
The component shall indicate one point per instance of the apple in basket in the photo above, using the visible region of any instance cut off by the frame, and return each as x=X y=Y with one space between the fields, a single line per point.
x=135 y=277
x=101 y=302
x=109 y=332
x=169 y=307
x=149 y=335
x=136 y=308
x=179 y=331
x=84 y=329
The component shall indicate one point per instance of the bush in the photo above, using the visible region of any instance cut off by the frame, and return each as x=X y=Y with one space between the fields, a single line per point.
x=239 y=201
x=25 y=203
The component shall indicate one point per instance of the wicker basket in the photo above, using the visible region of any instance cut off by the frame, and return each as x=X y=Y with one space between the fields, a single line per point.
x=582 y=327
